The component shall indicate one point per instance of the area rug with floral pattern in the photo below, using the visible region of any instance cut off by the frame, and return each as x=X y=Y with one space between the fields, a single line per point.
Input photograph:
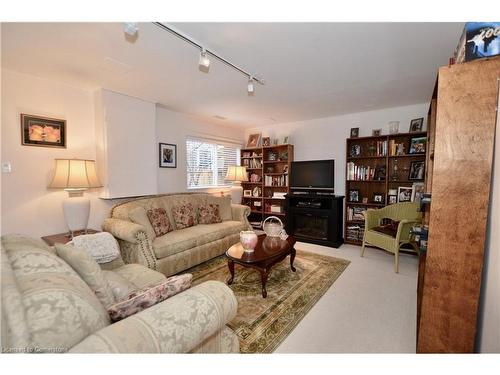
x=263 y=323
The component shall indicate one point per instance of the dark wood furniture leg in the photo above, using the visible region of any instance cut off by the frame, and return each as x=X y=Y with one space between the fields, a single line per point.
x=230 y=264
x=292 y=258
x=263 y=277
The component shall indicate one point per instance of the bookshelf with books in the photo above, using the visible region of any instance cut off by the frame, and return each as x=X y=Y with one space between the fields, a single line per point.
x=381 y=170
x=268 y=181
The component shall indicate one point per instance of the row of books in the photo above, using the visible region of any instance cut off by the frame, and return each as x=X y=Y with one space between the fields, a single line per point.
x=252 y=163
x=381 y=148
x=276 y=180
x=355 y=232
x=356 y=213
x=360 y=172
x=396 y=148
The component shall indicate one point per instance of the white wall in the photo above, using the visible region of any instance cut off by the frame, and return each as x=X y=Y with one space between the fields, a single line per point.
x=325 y=138
x=489 y=313
x=27 y=205
x=173 y=127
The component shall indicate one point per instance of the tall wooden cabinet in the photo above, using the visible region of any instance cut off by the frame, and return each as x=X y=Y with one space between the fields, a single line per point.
x=459 y=175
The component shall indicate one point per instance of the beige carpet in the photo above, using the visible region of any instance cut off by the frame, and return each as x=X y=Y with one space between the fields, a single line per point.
x=263 y=323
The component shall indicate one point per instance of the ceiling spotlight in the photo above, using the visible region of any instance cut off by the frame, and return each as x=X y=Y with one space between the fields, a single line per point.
x=204 y=63
x=131 y=28
x=250 y=86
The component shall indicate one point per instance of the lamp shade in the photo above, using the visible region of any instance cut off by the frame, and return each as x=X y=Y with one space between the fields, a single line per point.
x=236 y=173
x=75 y=174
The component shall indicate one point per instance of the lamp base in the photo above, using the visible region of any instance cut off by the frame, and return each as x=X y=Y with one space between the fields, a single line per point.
x=236 y=192
x=76 y=212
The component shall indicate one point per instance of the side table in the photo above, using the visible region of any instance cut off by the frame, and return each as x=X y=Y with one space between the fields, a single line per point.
x=65 y=237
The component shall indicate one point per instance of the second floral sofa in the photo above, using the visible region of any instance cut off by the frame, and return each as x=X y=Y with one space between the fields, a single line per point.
x=173 y=232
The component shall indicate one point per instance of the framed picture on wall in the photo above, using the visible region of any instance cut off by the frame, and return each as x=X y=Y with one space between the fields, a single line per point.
x=43 y=131
x=168 y=155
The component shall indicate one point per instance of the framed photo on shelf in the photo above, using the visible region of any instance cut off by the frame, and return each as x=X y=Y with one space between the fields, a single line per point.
x=355 y=150
x=418 y=145
x=417 y=170
x=392 y=199
x=257 y=192
x=266 y=141
x=378 y=198
x=168 y=155
x=380 y=172
x=254 y=140
x=247 y=193
x=405 y=194
x=354 y=195
x=365 y=200
x=354 y=132
x=416 y=125
x=42 y=131
x=286 y=139
x=376 y=132
x=418 y=191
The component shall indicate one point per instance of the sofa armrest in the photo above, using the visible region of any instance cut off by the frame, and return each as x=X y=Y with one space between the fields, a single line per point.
x=372 y=218
x=403 y=233
x=177 y=325
x=122 y=229
x=240 y=212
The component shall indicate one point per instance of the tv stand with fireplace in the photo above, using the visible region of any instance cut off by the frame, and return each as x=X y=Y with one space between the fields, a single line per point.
x=315 y=217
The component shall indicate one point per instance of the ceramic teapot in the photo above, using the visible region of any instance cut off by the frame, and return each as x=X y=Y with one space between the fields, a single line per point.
x=273 y=228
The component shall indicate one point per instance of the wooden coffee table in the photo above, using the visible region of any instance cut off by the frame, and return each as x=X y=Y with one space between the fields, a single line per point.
x=268 y=252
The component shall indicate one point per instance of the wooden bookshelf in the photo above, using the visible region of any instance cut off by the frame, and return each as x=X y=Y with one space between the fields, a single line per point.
x=375 y=174
x=272 y=165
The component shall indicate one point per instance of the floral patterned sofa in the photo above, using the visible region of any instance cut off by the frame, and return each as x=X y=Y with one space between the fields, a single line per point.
x=179 y=249
x=47 y=307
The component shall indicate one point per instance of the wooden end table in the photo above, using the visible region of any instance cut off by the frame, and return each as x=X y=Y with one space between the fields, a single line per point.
x=65 y=237
x=268 y=252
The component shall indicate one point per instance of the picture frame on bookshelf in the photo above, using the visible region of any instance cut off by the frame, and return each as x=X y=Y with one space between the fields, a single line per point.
x=405 y=193
x=354 y=133
x=254 y=140
x=376 y=132
x=418 y=191
x=378 y=198
x=354 y=195
x=418 y=145
x=391 y=199
x=355 y=150
x=416 y=125
x=257 y=192
x=286 y=139
x=417 y=171
x=247 y=193
x=365 y=200
x=266 y=141
x=380 y=172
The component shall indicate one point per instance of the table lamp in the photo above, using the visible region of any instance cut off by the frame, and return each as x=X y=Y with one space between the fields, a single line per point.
x=236 y=174
x=75 y=176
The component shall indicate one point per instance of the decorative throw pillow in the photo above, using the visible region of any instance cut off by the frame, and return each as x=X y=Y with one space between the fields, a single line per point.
x=159 y=220
x=147 y=297
x=209 y=214
x=89 y=271
x=120 y=286
x=224 y=206
x=139 y=216
x=184 y=216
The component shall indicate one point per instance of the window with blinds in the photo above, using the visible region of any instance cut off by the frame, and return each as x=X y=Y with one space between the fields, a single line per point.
x=207 y=162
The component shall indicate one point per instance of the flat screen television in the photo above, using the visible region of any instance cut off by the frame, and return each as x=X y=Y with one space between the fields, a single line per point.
x=313 y=174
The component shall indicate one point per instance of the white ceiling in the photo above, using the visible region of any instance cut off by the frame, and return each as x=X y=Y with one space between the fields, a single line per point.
x=311 y=70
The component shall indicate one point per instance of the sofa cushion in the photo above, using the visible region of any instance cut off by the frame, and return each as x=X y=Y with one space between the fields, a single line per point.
x=139 y=216
x=207 y=233
x=140 y=276
x=89 y=271
x=175 y=242
x=119 y=285
x=147 y=297
x=159 y=221
x=209 y=213
x=184 y=215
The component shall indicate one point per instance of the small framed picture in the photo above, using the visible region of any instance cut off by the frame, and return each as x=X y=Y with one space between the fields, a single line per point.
x=365 y=200
x=355 y=150
x=266 y=141
x=286 y=139
x=43 y=131
x=405 y=194
x=378 y=198
x=418 y=145
x=354 y=132
x=254 y=140
x=418 y=191
x=380 y=173
x=376 y=132
x=354 y=195
x=416 y=125
x=392 y=199
x=417 y=170
x=257 y=192
x=247 y=193
x=168 y=155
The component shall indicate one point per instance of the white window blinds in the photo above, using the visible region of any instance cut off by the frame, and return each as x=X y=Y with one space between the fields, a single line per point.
x=207 y=162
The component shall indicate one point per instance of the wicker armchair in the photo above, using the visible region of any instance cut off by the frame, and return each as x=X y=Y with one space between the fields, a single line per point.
x=407 y=215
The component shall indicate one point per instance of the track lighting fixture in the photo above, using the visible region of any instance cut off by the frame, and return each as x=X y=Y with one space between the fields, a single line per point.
x=250 y=86
x=131 y=28
x=204 y=63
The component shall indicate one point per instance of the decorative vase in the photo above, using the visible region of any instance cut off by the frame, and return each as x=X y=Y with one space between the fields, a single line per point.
x=248 y=240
